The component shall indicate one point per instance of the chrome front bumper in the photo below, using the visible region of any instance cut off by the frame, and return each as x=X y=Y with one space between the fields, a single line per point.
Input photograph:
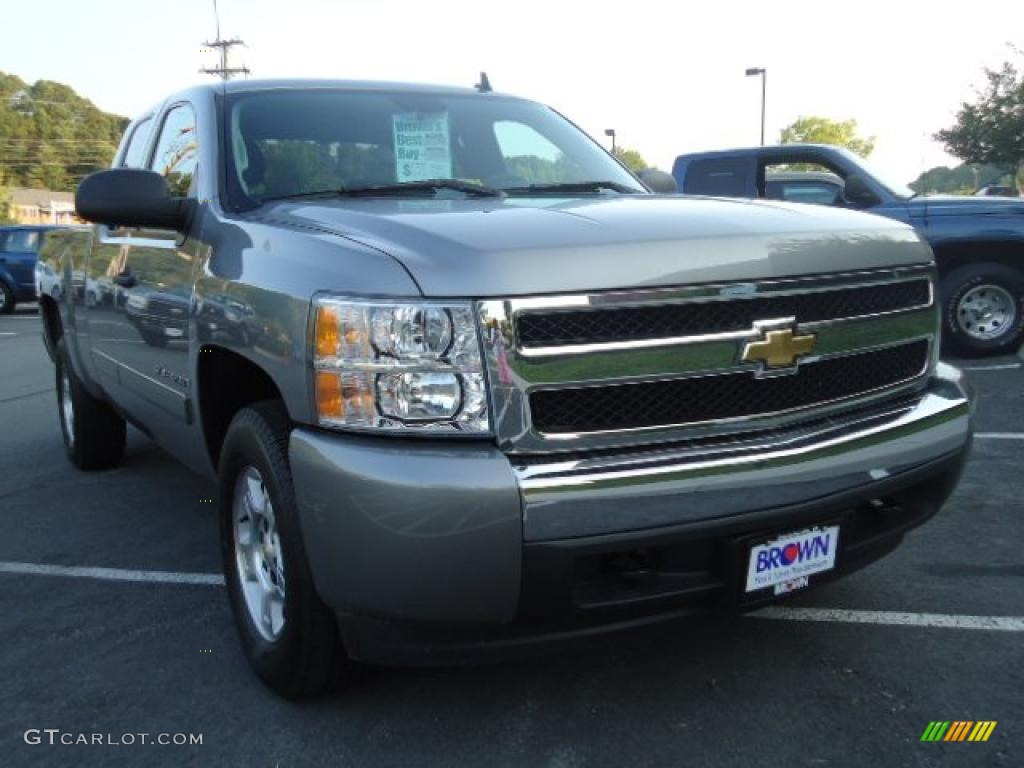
x=707 y=479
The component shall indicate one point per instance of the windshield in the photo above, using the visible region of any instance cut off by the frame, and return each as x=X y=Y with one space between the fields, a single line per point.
x=886 y=179
x=296 y=142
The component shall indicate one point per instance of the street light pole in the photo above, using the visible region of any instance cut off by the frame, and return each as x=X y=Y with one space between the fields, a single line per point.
x=764 y=92
x=611 y=132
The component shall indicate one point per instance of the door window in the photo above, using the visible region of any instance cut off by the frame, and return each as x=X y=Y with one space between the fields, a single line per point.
x=177 y=150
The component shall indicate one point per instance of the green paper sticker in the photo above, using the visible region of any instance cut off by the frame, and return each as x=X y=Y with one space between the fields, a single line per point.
x=422 y=146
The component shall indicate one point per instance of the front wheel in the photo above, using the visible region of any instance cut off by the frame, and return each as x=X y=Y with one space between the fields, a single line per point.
x=289 y=636
x=983 y=309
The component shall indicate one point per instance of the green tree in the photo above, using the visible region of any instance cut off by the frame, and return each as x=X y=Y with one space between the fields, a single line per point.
x=821 y=130
x=964 y=179
x=50 y=136
x=631 y=158
x=991 y=130
x=5 y=201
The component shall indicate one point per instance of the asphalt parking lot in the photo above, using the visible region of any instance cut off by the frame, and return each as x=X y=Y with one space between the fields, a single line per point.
x=89 y=655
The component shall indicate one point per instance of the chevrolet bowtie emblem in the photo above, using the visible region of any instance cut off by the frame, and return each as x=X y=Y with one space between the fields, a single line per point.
x=780 y=349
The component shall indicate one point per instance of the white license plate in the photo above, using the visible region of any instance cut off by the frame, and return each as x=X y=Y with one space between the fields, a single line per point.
x=791 y=558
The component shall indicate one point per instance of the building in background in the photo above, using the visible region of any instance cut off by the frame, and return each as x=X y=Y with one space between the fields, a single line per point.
x=42 y=206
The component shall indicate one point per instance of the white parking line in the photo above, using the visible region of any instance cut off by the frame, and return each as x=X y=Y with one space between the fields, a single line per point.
x=8 y=333
x=893 y=618
x=112 y=574
x=1006 y=367
x=1000 y=435
x=778 y=612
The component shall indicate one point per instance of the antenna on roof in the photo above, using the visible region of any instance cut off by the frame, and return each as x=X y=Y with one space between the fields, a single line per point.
x=484 y=86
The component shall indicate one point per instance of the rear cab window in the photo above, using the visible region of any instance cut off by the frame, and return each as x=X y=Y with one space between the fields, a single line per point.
x=135 y=152
x=20 y=241
x=718 y=177
x=176 y=156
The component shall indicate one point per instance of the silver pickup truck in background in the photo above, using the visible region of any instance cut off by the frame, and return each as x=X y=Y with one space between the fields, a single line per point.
x=468 y=386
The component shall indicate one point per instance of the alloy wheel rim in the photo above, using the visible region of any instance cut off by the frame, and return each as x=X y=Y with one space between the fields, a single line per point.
x=258 y=556
x=67 y=406
x=986 y=311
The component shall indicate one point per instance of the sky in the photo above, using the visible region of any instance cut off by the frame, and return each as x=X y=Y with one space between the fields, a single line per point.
x=667 y=76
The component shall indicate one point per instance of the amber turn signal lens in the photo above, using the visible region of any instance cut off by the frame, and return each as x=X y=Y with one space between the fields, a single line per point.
x=326 y=331
x=329 y=402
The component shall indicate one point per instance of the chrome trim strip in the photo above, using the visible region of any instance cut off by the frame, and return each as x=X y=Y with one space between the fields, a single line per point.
x=726 y=446
x=714 y=291
x=929 y=407
x=563 y=436
x=717 y=357
x=135 y=372
x=742 y=335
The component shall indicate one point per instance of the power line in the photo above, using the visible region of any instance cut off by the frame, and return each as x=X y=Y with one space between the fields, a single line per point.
x=224 y=71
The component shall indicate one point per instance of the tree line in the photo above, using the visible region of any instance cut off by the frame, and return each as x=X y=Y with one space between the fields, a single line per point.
x=50 y=137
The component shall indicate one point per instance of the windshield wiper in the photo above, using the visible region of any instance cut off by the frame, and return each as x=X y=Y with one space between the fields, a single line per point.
x=400 y=188
x=573 y=188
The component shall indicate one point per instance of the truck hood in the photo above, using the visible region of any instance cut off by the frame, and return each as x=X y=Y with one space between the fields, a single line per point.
x=519 y=246
x=962 y=205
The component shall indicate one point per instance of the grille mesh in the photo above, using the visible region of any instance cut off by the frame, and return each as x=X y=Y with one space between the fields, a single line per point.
x=594 y=326
x=708 y=398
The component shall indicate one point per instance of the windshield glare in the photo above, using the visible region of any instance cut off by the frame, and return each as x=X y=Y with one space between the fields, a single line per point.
x=287 y=143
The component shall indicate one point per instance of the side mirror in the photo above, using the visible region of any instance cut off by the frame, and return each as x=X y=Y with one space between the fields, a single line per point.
x=131 y=197
x=857 y=192
x=659 y=181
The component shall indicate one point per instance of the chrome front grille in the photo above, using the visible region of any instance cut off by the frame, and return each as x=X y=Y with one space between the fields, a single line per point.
x=583 y=372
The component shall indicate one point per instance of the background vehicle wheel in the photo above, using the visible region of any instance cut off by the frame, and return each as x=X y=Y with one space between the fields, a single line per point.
x=290 y=637
x=7 y=301
x=94 y=434
x=983 y=309
x=154 y=338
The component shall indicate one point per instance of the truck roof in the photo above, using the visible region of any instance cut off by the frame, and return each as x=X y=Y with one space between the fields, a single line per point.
x=741 y=151
x=268 y=84
x=237 y=86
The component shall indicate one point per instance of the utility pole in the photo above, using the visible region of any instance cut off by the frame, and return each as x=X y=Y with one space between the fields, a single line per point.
x=223 y=71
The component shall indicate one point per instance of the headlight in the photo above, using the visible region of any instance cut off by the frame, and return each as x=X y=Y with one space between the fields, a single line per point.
x=398 y=366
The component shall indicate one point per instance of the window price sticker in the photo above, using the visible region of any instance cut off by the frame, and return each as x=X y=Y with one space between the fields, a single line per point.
x=422 y=146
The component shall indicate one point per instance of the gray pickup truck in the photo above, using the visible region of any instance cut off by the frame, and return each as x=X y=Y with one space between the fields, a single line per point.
x=468 y=386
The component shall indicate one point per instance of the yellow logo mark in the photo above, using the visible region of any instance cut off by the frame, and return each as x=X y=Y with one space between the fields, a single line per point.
x=780 y=349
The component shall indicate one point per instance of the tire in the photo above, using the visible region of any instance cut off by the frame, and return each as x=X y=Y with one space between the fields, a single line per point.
x=154 y=339
x=983 y=309
x=298 y=652
x=94 y=434
x=7 y=301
